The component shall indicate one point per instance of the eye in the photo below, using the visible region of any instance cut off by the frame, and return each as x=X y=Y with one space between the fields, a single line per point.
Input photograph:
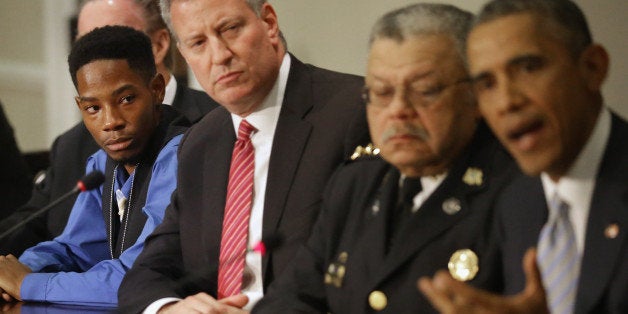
x=127 y=99
x=92 y=109
x=529 y=64
x=230 y=30
x=197 y=43
x=427 y=92
x=483 y=83
x=380 y=95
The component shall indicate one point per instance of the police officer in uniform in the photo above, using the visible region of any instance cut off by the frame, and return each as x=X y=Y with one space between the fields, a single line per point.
x=420 y=199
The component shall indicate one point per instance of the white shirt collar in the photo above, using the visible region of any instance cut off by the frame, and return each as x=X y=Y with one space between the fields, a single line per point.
x=576 y=186
x=428 y=186
x=171 y=91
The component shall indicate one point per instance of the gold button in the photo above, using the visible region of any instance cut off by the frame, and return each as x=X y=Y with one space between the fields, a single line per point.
x=378 y=300
x=463 y=265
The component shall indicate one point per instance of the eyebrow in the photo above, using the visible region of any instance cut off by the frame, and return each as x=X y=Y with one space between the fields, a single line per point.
x=116 y=92
x=412 y=78
x=522 y=59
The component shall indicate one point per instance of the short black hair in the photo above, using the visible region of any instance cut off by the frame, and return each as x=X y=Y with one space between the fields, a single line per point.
x=113 y=43
x=574 y=30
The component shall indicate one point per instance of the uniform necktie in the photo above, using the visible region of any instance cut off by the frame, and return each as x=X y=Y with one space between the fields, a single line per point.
x=235 y=225
x=558 y=258
x=410 y=187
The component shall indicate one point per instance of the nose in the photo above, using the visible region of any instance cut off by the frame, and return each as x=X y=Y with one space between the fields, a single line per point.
x=400 y=106
x=113 y=120
x=509 y=96
x=220 y=52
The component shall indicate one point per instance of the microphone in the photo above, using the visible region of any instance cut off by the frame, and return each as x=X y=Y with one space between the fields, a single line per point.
x=194 y=281
x=90 y=181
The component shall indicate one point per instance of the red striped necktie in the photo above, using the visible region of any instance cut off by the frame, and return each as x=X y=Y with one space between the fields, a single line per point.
x=235 y=225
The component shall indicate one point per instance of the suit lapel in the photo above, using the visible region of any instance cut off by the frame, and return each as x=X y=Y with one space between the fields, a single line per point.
x=376 y=221
x=429 y=222
x=215 y=179
x=289 y=143
x=608 y=206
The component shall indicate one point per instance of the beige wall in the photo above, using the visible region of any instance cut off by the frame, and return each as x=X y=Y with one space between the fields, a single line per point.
x=36 y=92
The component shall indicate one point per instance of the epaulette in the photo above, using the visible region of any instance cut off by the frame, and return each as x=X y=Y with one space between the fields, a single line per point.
x=368 y=150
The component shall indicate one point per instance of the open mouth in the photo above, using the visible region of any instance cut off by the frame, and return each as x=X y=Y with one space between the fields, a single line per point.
x=525 y=135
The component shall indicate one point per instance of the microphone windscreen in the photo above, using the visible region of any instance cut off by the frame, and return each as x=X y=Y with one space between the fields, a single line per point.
x=90 y=181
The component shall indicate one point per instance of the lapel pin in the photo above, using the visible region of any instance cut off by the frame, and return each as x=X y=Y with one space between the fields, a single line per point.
x=463 y=265
x=611 y=231
x=473 y=176
x=375 y=208
x=451 y=206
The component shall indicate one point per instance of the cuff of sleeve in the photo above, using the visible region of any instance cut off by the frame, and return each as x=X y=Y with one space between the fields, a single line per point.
x=34 y=286
x=154 y=307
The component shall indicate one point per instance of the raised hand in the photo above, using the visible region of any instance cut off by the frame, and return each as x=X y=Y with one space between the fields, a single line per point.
x=450 y=296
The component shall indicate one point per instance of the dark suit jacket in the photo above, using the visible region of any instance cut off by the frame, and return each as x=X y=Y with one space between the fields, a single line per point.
x=351 y=233
x=314 y=122
x=603 y=286
x=68 y=157
x=15 y=177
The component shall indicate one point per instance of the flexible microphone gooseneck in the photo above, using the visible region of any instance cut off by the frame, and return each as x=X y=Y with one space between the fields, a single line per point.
x=90 y=181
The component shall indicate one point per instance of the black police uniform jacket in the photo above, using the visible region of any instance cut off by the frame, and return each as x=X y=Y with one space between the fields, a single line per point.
x=345 y=259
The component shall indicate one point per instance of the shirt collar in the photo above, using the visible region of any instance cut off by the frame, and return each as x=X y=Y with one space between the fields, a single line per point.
x=171 y=91
x=586 y=165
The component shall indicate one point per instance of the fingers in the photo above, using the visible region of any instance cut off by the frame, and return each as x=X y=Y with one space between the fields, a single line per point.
x=239 y=300
x=531 y=271
x=204 y=303
x=532 y=299
x=439 y=299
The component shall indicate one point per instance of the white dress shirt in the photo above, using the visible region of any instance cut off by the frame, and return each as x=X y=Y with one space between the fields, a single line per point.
x=264 y=119
x=428 y=186
x=576 y=187
x=171 y=91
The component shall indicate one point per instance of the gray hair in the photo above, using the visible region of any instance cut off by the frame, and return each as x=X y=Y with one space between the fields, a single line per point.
x=573 y=27
x=424 y=19
x=255 y=5
x=152 y=18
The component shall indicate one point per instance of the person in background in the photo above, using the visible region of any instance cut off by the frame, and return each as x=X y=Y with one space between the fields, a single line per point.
x=70 y=150
x=119 y=96
x=538 y=77
x=425 y=200
x=15 y=181
x=253 y=168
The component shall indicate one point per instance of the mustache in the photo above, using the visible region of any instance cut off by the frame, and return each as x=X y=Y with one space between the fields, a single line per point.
x=405 y=129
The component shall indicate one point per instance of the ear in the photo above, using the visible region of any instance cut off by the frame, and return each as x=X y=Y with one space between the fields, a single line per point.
x=269 y=18
x=78 y=103
x=160 y=40
x=593 y=63
x=158 y=88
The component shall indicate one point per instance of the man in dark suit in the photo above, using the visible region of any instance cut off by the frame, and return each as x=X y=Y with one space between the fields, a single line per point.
x=301 y=117
x=538 y=77
x=15 y=177
x=70 y=150
x=375 y=236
